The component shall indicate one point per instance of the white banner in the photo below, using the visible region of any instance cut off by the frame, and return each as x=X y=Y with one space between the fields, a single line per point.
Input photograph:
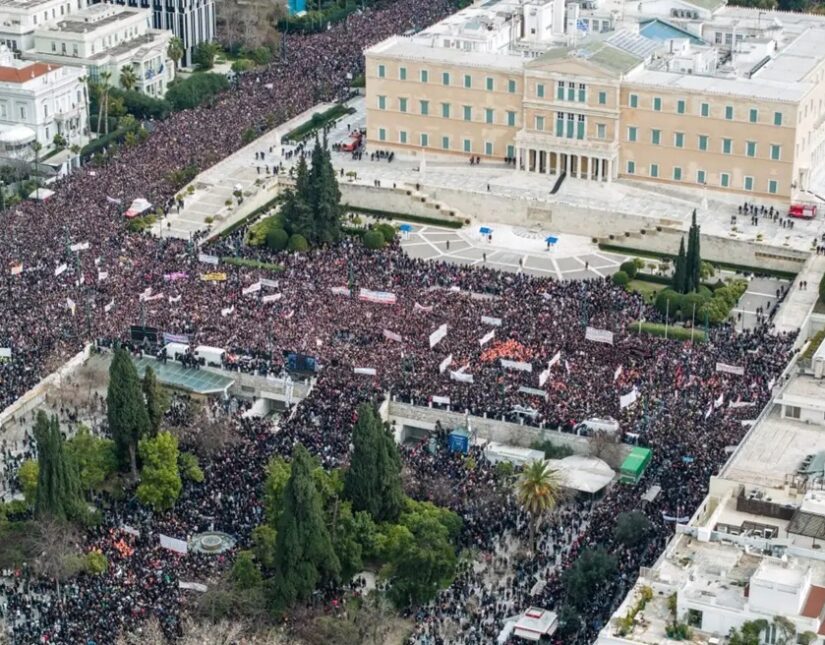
x=5 y=352
x=80 y=246
x=108 y=307
x=445 y=364
x=391 y=335
x=617 y=373
x=271 y=284
x=628 y=399
x=741 y=404
x=516 y=365
x=422 y=308
x=378 y=297
x=227 y=310
x=730 y=369
x=192 y=586
x=128 y=529
x=252 y=288
x=157 y=296
x=208 y=259
x=175 y=299
x=437 y=335
x=461 y=376
x=543 y=376
x=533 y=391
x=17 y=269
x=173 y=544
x=340 y=291
x=489 y=320
x=145 y=294
x=599 y=335
x=441 y=400
x=71 y=305
x=556 y=358
x=274 y=297
x=61 y=268
x=102 y=275
x=486 y=338
x=368 y=371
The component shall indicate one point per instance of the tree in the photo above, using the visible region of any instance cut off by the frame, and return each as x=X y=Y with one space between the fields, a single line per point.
x=160 y=483
x=27 y=476
x=128 y=78
x=189 y=93
x=175 y=51
x=631 y=528
x=204 y=55
x=620 y=279
x=680 y=274
x=264 y=540
x=36 y=148
x=538 y=491
x=278 y=472
x=592 y=570
x=277 y=239
x=94 y=457
x=693 y=261
x=58 y=489
x=373 y=240
x=155 y=405
x=190 y=467
x=245 y=573
x=373 y=481
x=96 y=562
x=103 y=102
x=126 y=410
x=304 y=554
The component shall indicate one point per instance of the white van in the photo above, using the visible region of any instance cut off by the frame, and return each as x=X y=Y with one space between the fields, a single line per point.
x=212 y=356
x=175 y=350
x=596 y=424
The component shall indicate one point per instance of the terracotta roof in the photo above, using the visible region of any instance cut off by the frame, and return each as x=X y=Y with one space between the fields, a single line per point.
x=23 y=74
x=814 y=602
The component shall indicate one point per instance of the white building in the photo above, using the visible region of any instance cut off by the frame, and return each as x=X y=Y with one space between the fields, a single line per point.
x=107 y=38
x=20 y=18
x=37 y=102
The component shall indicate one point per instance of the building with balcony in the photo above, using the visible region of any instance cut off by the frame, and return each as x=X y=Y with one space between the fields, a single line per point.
x=108 y=38
x=690 y=93
x=20 y=18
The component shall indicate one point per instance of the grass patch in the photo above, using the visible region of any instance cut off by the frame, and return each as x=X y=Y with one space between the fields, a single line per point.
x=417 y=219
x=318 y=121
x=673 y=332
x=252 y=264
x=647 y=289
x=816 y=341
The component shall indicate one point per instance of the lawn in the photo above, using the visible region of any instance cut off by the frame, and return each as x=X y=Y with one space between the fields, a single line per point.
x=647 y=289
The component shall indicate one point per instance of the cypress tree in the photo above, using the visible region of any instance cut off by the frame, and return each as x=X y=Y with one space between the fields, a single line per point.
x=679 y=273
x=126 y=409
x=154 y=400
x=297 y=208
x=58 y=484
x=303 y=550
x=390 y=491
x=696 y=266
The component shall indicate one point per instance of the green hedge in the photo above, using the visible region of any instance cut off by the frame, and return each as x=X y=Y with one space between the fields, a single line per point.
x=97 y=145
x=673 y=332
x=816 y=341
x=417 y=219
x=318 y=121
x=247 y=219
x=822 y=289
x=252 y=264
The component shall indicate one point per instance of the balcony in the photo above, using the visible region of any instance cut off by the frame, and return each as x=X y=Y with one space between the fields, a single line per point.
x=548 y=140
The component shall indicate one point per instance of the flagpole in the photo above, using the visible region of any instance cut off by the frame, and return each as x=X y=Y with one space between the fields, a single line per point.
x=693 y=322
x=667 y=314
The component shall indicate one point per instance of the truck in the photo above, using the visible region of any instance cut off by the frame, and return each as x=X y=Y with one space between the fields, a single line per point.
x=354 y=142
x=211 y=356
x=802 y=210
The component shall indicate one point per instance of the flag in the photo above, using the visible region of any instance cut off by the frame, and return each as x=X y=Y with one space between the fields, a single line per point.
x=422 y=308
x=175 y=299
x=108 y=307
x=617 y=373
x=487 y=337
x=71 y=305
x=390 y=335
x=228 y=310
x=720 y=401
x=17 y=269
x=145 y=294
x=102 y=275
x=61 y=268
x=556 y=358
x=378 y=297
x=445 y=364
x=289 y=315
x=113 y=200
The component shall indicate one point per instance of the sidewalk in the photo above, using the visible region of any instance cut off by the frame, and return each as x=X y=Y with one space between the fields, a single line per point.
x=799 y=302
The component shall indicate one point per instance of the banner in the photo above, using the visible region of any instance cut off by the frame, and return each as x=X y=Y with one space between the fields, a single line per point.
x=227 y=310
x=368 y=371
x=108 y=307
x=516 y=365
x=441 y=400
x=80 y=246
x=422 y=308
x=5 y=352
x=556 y=358
x=461 y=376
x=175 y=299
x=628 y=399
x=730 y=369
x=145 y=294
x=71 y=305
x=173 y=544
x=192 y=586
x=533 y=391
x=213 y=277
x=157 y=296
x=340 y=291
x=719 y=402
x=488 y=320
x=128 y=529
x=175 y=338
x=61 y=268
x=208 y=259
x=445 y=364
x=17 y=269
x=617 y=373
x=289 y=314
x=543 y=376
x=378 y=297
x=391 y=335
x=80 y=280
x=437 y=335
x=273 y=297
x=102 y=275
x=672 y=518
x=113 y=200
x=252 y=288
x=487 y=337
x=177 y=275
x=599 y=335
x=741 y=404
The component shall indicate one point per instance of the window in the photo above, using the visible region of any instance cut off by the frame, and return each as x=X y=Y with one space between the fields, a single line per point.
x=402 y=105
x=580 y=125
x=488 y=115
x=425 y=107
x=571 y=91
x=382 y=102
x=468 y=145
x=582 y=93
x=601 y=131
x=776 y=152
x=22 y=112
x=445 y=143
x=703 y=142
x=46 y=112
x=631 y=167
x=773 y=186
x=602 y=98
x=382 y=134
x=468 y=81
x=402 y=136
x=511 y=118
x=753 y=115
x=633 y=100
x=705 y=109
x=724 y=180
x=511 y=152
x=654 y=170
x=468 y=113
x=727 y=146
x=445 y=110
x=425 y=76
x=559 y=124
x=425 y=140
x=489 y=84
x=539 y=123
x=750 y=148
x=488 y=148
x=777 y=118
x=511 y=86
x=657 y=104
x=748 y=183
x=680 y=106
x=571 y=126
x=540 y=90
x=677 y=173
x=445 y=78
x=402 y=73
x=382 y=71
x=655 y=137
x=679 y=139
x=793 y=411
x=560 y=90
x=729 y=112
x=631 y=133
x=700 y=177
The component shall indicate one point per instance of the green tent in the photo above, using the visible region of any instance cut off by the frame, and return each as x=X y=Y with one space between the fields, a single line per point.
x=634 y=465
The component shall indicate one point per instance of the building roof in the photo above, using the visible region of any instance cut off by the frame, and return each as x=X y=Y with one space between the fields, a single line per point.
x=599 y=52
x=658 y=29
x=23 y=74
x=408 y=49
x=814 y=602
x=176 y=375
x=707 y=5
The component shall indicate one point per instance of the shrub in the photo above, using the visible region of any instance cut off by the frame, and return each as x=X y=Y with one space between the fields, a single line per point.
x=196 y=89
x=673 y=332
x=298 y=243
x=621 y=278
x=96 y=563
x=242 y=65
x=691 y=300
x=822 y=289
x=277 y=239
x=551 y=450
x=387 y=230
x=374 y=240
x=190 y=468
x=630 y=268
x=251 y=264
x=668 y=302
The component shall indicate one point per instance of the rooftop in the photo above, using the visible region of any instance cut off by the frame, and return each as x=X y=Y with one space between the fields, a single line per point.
x=599 y=52
x=24 y=72
x=93 y=18
x=175 y=375
x=408 y=49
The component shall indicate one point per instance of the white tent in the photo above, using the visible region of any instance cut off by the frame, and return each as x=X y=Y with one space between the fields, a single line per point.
x=41 y=194
x=535 y=623
x=138 y=207
x=17 y=135
x=584 y=474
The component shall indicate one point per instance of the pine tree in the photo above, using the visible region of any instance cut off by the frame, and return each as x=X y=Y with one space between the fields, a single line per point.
x=154 y=400
x=679 y=274
x=126 y=410
x=303 y=555
x=58 y=484
x=297 y=208
x=696 y=257
x=328 y=210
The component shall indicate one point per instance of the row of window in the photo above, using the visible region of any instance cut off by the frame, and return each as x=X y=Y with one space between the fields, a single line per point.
x=447 y=79
x=703 y=143
x=748 y=182
x=569 y=91
x=704 y=109
x=447 y=111
x=447 y=143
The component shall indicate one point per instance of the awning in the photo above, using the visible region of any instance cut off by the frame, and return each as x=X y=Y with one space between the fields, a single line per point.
x=584 y=474
x=17 y=135
x=41 y=194
x=485 y=230
x=405 y=228
x=550 y=239
x=138 y=207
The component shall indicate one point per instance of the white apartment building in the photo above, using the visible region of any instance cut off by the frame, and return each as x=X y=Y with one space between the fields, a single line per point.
x=20 y=18
x=108 y=38
x=37 y=102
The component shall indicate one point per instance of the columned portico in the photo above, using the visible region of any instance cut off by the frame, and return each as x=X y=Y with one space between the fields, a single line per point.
x=545 y=154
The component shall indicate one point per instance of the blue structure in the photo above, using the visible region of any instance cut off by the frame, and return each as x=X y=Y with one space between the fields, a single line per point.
x=485 y=230
x=296 y=6
x=459 y=441
x=550 y=239
x=660 y=30
x=405 y=228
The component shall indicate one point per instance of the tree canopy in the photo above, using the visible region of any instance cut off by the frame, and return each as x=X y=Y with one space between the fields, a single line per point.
x=58 y=488
x=160 y=482
x=126 y=409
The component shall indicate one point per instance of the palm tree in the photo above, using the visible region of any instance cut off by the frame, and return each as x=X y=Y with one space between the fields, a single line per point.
x=128 y=78
x=538 y=490
x=36 y=147
x=175 y=51
x=103 y=101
